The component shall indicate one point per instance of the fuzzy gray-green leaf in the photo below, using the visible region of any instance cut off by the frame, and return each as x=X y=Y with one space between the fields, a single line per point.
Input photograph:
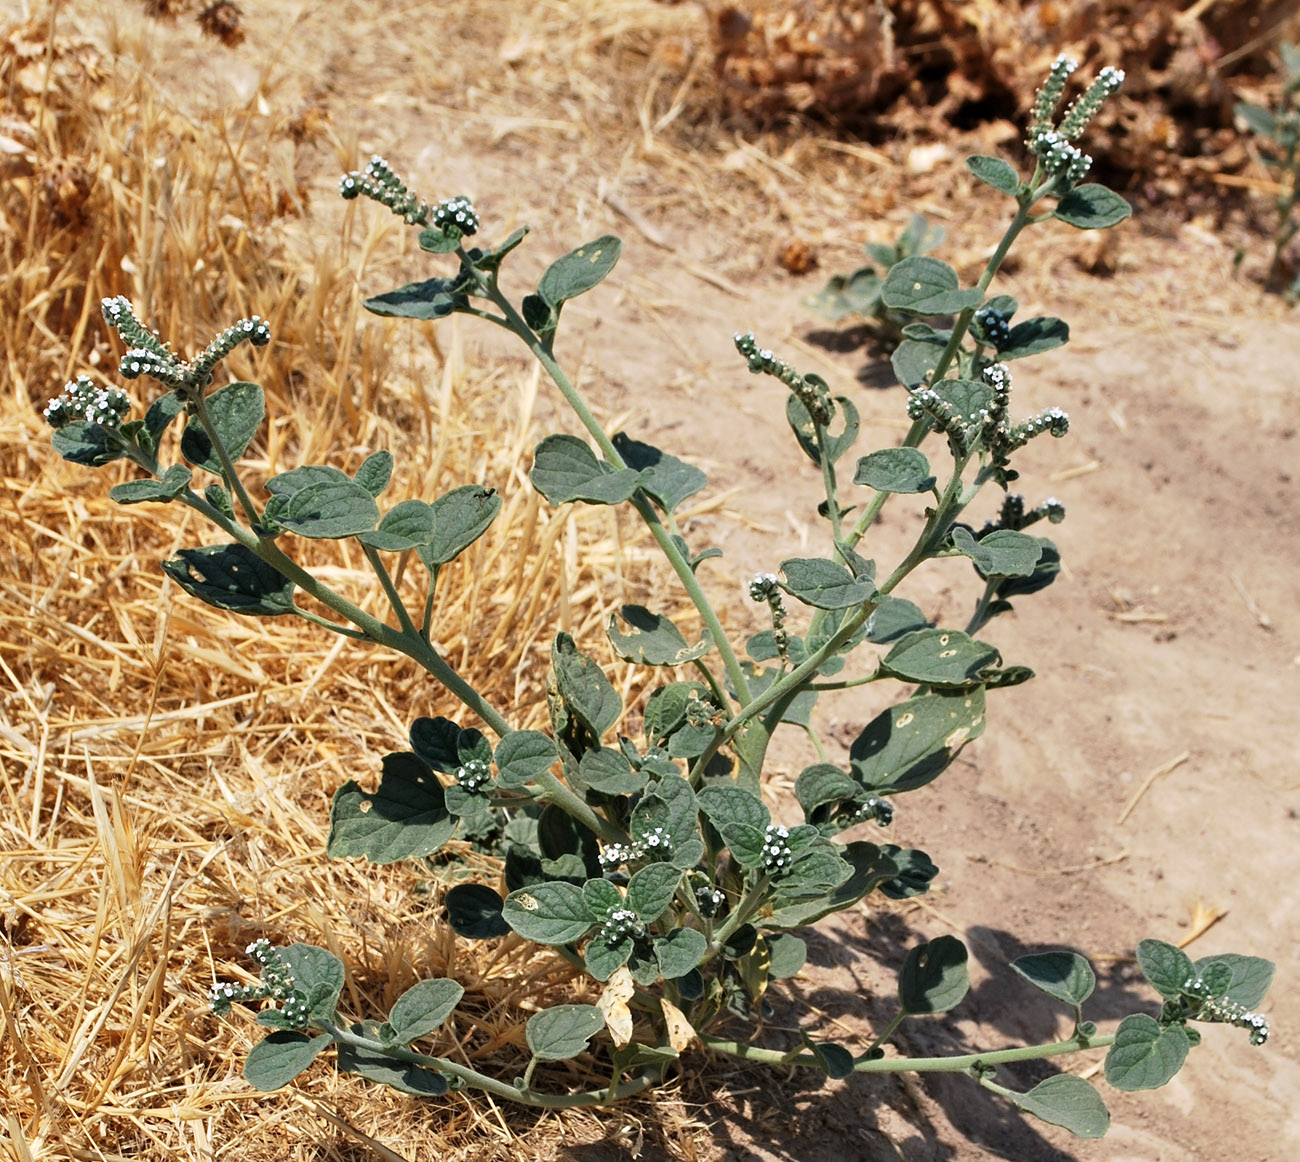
x=166 y=488
x=320 y=502
x=934 y=978
x=521 y=756
x=651 y=890
x=406 y=818
x=825 y=584
x=651 y=639
x=1092 y=207
x=895 y=470
x=582 y=685
x=1033 y=337
x=942 y=658
x=926 y=286
x=236 y=412
x=1251 y=976
x=995 y=172
x=422 y=1009
x=459 y=519
x=1145 y=1054
x=579 y=270
x=665 y=478
x=561 y=1032
x=276 y=1060
x=1003 y=553
x=1069 y=1102
x=554 y=912
x=912 y=743
x=679 y=951
x=231 y=577
x=565 y=469
x=1067 y=976
x=1166 y=967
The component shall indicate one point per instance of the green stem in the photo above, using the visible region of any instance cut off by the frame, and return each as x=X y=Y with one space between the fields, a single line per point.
x=227 y=464
x=390 y=591
x=963 y=1063
x=598 y=1097
x=745 y=907
x=571 y=804
x=883 y=1036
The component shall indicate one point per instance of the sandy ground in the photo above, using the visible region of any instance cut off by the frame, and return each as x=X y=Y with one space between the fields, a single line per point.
x=1172 y=639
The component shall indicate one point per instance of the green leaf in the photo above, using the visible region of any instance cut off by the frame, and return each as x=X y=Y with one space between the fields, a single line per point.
x=672 y=805
x=318 y=978
x=604 y=958
x=665 y=709
x=433 y=240
x=491 y=259
x=691 y=741
x=601 y=896
x=680 y=951
x=166 y=488
x=408 y=525
x=825 y=584
x=565 y=469
x=912 y=743
x=1145 y=1054
x=969 y=398
x=892 y=618
x=1003 y=553
x=823 y=783
x=275 y=1061
x=459 y=519
x=1034 y=336
x=434 y=298
x=724 y=805
x=1166 y=967
x=926 y=286
x=321 y=503
x=89 y=444
x=934 y=978
x=384 y=1070
x=871 y=865
x=161 y=413
x=652 y=639
x=375 y=472
x=835 y=1059
x=787 y=955
x=1067 y=976
x=1092 y=207
x=913 y=872
x=651 y=890
x=521 y=756
x=586 y=692
x=942 y=658
x=474 y=911
x=840 y=436
x=995 y=172
x=1045 y=572
x=579 y=270
x=1258 y=119
x=1251 y=976
x=406 y=818
x=665 y=478
x=914 y=361
x=854 y=294
x=608 y=772
x=437 y=742
x=1069 y=1102
x=236 y=412
x=895 y=470
x=549 y=913
x=421 y=1009
x=231 y=577
x=561 y=1032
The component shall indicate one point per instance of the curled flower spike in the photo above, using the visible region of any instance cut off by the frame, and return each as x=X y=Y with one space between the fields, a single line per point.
x=812 y=390
x=473 y=775
x=1049 y=96
x=776 y=854
x=455 y=215
x=379 y=183
x=762 y=586
x=82 y=400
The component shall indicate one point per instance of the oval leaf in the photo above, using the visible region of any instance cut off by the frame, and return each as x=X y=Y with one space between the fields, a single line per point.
x=318 y=978
x=895 y=470
x=652 y=639
x=565 y=469
x=1092 y=207
x=825 y=584
x=561 y=1032
x=1003 y=553
x=375 y=472
x=521 y=756
x=434 y=298
x=579 y=270
x=554 y=912
x=995 y=172
x=166 y=488
x=406 y=818
x=912 y=743
x=926 y=286
x=1067 y=976
x=1167 y=968
x=421 y=1009
x=231 y=577
x=1251 y=976
x=280 y=1057
x=943 y=658
x=934 y=978
x=1034 y=336
x=474 y=911
x=321 y=503
x=1067 y=1101
x=459 y=519
x=665 y=478
x=680 y=951
x=384 y=1070
x=651 y=890
x=1145 y=1054
x=582 y=685
x=236 y=412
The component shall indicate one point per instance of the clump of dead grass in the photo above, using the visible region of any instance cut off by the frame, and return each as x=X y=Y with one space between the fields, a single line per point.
x=166 y=769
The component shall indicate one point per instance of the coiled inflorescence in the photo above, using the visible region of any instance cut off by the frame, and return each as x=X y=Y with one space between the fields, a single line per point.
x=811 y=390
x=1206 y=1006
x=990 y=428
x=473 y=775
x=620 y=924
x=763 y=587
x=1049 y=142
x=709 y=900
x=82 y=400
x=277 y=984
x=1015 y=516
x=379 y=183
x=653 y=843
x=994 y=325
x=776 y=854
x=148 y=355
x=456 y=216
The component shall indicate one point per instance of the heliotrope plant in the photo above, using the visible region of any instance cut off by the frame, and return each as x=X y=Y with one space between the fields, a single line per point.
x=1279 y=130
x=650 y=861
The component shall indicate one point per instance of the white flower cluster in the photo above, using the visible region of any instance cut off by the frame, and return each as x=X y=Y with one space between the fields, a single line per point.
x=1059 y=156
x=456 y=214
x=709 y=900
x=620 y=923
x=82 y=400
x=762 y=586
x=473 y=774
x=1225 y=1011
x=776 y=853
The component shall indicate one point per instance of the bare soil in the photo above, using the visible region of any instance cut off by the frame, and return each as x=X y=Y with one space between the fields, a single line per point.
x=1171 y=640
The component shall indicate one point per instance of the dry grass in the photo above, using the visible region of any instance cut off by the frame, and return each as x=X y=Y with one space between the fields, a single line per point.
x=166 y=769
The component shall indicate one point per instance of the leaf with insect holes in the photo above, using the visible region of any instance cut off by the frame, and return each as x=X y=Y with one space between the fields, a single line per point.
x=578 y=271
x=1067 y=976
x=566 y=469
x=1092 y=207
x=549 y=913
x=651 y=639
x=561 y=1032
x=236 y=412
x=941 y=658
x=995 y=172
x=231 y=577
x=406 y=818
x=1066 y=1101
x=934 y=978
x=926 y=286
x=1145 y=1054
x=912 y=743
